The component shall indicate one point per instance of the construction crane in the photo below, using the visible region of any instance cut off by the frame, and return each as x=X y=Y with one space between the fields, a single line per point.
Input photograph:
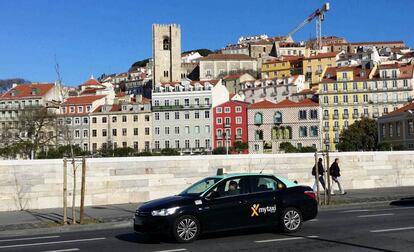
x=319 y=15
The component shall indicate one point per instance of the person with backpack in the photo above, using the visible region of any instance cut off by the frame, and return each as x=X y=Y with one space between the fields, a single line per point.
x=321 y=172
x=334 y=171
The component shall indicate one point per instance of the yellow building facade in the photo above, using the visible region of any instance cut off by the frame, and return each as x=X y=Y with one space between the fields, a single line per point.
x=314 y=65
x=347 y=94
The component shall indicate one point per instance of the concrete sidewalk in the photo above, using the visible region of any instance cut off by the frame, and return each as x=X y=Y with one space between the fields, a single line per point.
x=46 y=218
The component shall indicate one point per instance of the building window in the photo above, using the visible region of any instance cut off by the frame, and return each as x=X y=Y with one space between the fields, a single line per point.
x=114 y=132
x=104 y=133
x=258 y=118
x=135 y=131
x=177 y=144
x=326 y=99
x=219 y=120
x=165 y=73
x=135 y=118
x=196 y=114
x=104 y=119
x=303 y=131
x=167 y=144
x=124 y=131
x=177 y=115
x=302 y=115
x=156 y=103
x=85 y=133
x=218 y=110
x=167 y=116
x=207 y=101
x=80 y=109
x=207 y=128
x=187 y=115
x=147 y=118
x=72 y=109
x=167 y=130
x=156 y=130
x=85 y=120
x=206 y=114
x=227 y=110
x=136 y=146
x=157 y=116
x=355 y=98
x=124 y=118
x=157 y=145
x=207 y=142
x=335 y=98
x=238 y=120
x=187 y=129
x=314 y=131
x=186 y=102
x=314 y=114
x=94 y=133
x=177 y=101
x=177 y=130
x=391 y=130
x=277 y=117
x=238 y=109
x=77 y=121
x=166 y=43
x=411 y=127
x=114 y=119
x=398 y=129
x=258 y=135
x=219 y=133
x=238 y=132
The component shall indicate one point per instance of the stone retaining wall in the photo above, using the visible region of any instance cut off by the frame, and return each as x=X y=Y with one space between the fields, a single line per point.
x=35 y=184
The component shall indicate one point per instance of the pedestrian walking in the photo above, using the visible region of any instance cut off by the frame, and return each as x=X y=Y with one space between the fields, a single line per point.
x=321 y=172
x=335 y=172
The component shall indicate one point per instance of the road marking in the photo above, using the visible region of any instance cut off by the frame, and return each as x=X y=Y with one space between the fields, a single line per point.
x=31 y=238
x=286 y=239
x=356 y=211
x=375 y=215
x=48 y=243
x=171 y=250
x=63 y=250
x=390 y=230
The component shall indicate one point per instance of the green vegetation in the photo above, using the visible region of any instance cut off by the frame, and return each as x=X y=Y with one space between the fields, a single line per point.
x=362 y=135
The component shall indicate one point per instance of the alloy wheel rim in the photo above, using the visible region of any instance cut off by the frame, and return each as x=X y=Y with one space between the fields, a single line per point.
x=187 y=229
x=291 y=220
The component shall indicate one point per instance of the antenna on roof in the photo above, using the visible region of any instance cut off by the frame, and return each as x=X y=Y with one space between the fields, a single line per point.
x=261 y=171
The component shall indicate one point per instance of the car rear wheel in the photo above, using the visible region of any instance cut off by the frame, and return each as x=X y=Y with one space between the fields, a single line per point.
x=291 y=220
x=186 y=229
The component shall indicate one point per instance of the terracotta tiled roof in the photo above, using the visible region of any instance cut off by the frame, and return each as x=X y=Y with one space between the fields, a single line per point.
x=308 y=91
x=227 y=103
x=212 y=82
x=91 y=81
x=331 y=72
x=218 y=56
x=25 y=91
x=232 y=76
x=404 y=109
x=82 y=99
x=322 y=55
x=120 y=94
x=283 y=104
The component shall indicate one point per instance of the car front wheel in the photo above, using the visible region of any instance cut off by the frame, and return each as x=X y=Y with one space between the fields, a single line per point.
x=291 y=220
x=186 y=229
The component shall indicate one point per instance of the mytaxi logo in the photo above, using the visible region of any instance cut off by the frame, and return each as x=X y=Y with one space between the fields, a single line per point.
x=254 y=208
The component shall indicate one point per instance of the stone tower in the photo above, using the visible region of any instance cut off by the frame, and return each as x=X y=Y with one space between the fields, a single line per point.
x=166 y=53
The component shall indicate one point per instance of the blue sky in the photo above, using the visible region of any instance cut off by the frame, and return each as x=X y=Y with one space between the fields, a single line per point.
x=106 y=36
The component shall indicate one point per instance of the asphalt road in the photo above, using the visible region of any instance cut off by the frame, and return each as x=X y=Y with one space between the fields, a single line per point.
x=384 y=228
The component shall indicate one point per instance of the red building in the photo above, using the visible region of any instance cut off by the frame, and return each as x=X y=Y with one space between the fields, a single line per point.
x=230 y=124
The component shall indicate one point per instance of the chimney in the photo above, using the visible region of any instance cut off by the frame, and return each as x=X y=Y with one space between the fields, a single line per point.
x=14 y=85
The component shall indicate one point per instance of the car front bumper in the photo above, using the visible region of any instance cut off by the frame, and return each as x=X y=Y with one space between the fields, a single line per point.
x=152 y=224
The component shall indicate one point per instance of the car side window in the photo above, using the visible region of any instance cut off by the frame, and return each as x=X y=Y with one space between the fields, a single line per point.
x=231 y=187
x=265 y=184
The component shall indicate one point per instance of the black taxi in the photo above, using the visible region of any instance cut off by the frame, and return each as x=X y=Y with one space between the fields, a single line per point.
x=227 y=202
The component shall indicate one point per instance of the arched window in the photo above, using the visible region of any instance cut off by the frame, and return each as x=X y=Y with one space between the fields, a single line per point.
x=258 y=118
x=289 y=132
x=276 y=133
x=277 y=117
x=166 y=43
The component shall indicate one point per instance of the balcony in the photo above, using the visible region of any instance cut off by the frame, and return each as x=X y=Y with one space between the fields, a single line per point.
x=355 y=116
x=227 y=125
x=325 y=117
x=335 y=128
x=326 y=140
x=335 y=117
x=345 y=116
x=238 y=136
x=181 y=107
x=326 y=128
x=375 y=115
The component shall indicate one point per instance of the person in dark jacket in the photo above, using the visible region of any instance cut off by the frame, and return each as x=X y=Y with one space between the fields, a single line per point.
x=335 y=172
x=321 y=172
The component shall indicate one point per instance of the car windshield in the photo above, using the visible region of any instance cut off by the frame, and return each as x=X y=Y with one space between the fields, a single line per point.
x=201 y=186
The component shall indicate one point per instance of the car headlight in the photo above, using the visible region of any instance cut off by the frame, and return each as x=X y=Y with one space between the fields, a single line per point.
x=164 y=212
